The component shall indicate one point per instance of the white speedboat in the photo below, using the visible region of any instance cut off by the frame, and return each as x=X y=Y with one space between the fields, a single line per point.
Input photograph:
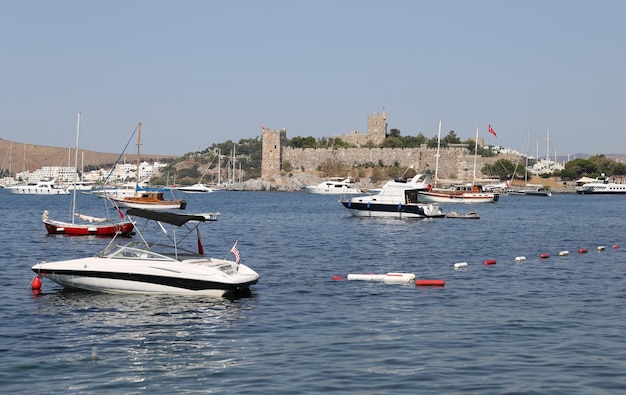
x=165 y=266
x=195 y=188
x=397 y=199
x=38 y=188
x=334 y=186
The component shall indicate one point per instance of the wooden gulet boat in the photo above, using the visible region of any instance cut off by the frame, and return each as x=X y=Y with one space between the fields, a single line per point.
x=153 y=200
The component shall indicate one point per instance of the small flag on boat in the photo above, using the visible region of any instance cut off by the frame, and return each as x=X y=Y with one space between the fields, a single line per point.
x=490 y=129
x=235 y=252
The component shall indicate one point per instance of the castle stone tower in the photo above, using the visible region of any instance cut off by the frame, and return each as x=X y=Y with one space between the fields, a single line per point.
x=272 y=144
x=377 y=127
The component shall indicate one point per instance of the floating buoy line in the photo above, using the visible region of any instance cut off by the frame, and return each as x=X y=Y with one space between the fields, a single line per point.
x=407 y=278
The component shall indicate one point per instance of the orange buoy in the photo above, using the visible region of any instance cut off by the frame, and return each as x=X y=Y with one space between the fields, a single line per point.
x=490 y=262
x=430 y=283
x=338 y=278
x=544 y=256
x=582 y=250
x=615 y=246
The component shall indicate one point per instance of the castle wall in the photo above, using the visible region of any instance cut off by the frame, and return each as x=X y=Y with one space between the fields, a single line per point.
x=453 y=162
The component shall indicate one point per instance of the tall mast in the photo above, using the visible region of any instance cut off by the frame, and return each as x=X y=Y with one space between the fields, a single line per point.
x=138 y=153
x=475 y=155
x=219 y=166
x=75 y=168
x=526 y=167
x=437 y=156
x=548 y=146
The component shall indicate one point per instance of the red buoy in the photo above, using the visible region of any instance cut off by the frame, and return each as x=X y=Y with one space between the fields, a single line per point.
x=544 y=256
x=35 y=285
x=430 y=283
x=338 y=278
x=615 y=246
x=490 y=262
x=582 y=250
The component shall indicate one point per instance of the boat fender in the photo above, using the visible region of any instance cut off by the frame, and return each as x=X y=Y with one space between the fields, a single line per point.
x=582 y=250
x=489 y=262
x=520 y=258
x=429 y=187
x=544 y=256
x=460 y=265
x=368 y=205
x=349 y=204
x=430 y=283
x=391 y=278
x=399 y=206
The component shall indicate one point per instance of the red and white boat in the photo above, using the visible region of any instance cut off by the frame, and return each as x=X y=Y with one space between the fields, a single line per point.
x=88 y=225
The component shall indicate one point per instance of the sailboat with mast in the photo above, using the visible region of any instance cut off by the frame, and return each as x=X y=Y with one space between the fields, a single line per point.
x=145 y=198
x=89 y=225
x=531 y=189
x=467 y=193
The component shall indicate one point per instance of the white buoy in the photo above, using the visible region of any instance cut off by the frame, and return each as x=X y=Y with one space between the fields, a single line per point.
x=398 y=278
x=520 y=258
x=460 y=265
x=563 y=253
x=601 y=248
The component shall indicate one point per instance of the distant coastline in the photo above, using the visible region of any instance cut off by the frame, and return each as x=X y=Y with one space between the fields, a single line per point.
x=21 y=156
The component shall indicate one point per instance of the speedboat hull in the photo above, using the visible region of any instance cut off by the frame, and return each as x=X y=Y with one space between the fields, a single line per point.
x=370 y=209
x=195 y=276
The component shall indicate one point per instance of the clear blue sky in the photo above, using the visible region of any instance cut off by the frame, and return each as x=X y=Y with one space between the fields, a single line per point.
x=202 y=72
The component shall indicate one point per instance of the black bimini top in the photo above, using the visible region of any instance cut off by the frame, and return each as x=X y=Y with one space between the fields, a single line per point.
x=167 y=217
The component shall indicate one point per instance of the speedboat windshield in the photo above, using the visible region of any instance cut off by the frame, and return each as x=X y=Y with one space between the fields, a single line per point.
x=133 y=251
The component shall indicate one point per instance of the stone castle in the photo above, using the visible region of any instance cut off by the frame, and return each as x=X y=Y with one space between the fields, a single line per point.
x=455 y=162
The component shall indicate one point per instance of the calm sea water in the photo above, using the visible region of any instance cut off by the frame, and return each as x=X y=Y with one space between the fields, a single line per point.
x=538 y=327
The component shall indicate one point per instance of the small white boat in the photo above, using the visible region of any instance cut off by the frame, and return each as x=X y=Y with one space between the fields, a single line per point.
x=397 y=199
x=164 y=266
x=334 y=186
x=195 y=188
